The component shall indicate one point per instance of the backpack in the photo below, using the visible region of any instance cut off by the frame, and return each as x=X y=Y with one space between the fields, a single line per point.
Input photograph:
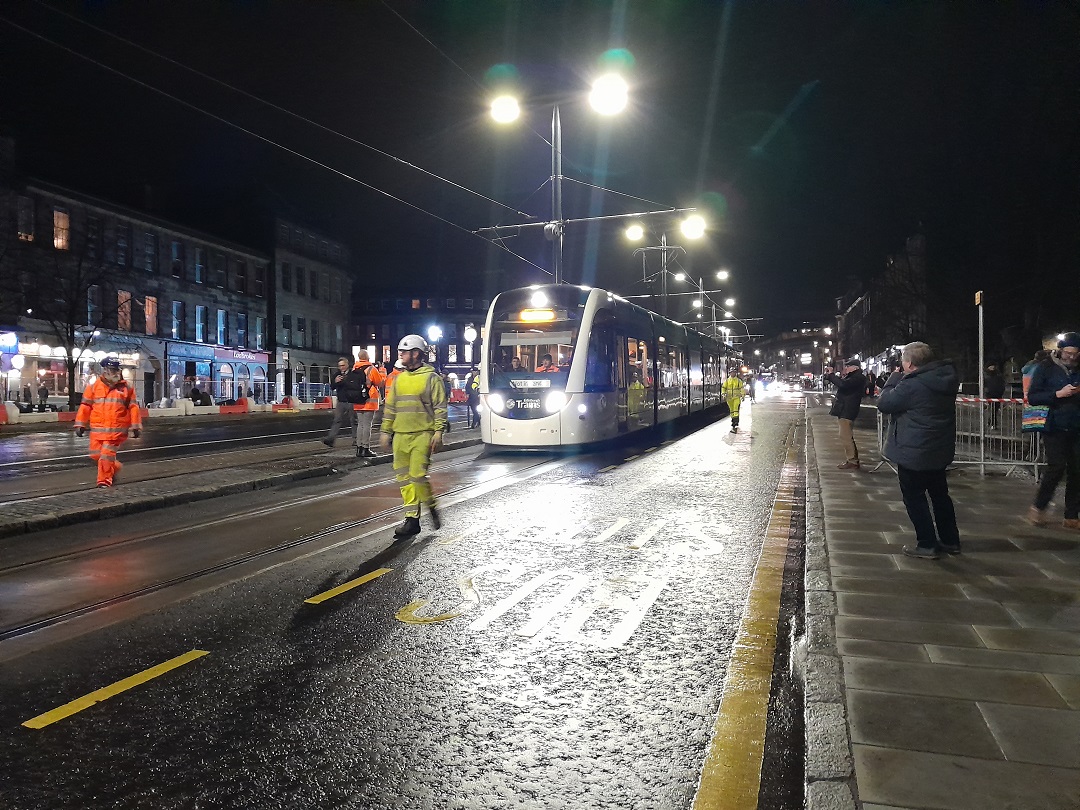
x=364 y=394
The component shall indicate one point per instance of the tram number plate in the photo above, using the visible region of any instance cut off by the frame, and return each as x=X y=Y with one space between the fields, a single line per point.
x=523 y=404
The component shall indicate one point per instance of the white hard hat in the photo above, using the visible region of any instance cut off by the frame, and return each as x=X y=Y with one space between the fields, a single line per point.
x=412 y=342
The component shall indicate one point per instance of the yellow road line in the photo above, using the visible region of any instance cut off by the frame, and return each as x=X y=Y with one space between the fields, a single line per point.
x=348 y=586
x=731 y=773
x=609 y=468
x=631 y=458
x=86 y=701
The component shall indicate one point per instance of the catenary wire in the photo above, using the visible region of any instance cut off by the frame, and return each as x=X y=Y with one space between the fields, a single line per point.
x=264 y=139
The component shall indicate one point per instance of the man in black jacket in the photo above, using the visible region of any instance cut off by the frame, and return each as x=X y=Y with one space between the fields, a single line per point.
x=345 y=387
x=1055 y=383
x=921 y=442
x=850 y=387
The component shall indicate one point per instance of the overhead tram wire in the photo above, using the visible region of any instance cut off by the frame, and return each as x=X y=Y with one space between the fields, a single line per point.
x=279 y=108
x=266 y=140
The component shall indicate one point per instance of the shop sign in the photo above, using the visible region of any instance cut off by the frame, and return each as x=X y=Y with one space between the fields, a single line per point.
x=190 y=351
x=243 y=355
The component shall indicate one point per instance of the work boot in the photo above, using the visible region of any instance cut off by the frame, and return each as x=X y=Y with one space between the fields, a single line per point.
x=1036 y=517
x=920 y=553
x=1071 y=523
x=436 y=520
x=848 y=465
x=410 y=527
x=328 y=442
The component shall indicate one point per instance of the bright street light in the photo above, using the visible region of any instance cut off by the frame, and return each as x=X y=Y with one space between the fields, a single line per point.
x=730 y=302
x=680 y=276
x=693 y=227
x=697 y=303
x=635 y=233
x=505 y=109
x=434 y=334
x=609 y=94
x=722 y=274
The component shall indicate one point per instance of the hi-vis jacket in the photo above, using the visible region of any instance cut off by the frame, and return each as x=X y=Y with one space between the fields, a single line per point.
x=109 y=411
x=733 y=388
x=415 y=403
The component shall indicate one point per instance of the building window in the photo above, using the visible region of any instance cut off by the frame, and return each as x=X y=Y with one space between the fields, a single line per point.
x=220 y=270
x=416 y=303
x=451 y=303
x=336 y=253
x=314 y=278
x=93 y=305
x=123 y=310
x=178 y=326
x=298 y=237
x=240 y=277
x=222 y=327
x=283 y=233
x=336 y=294
x=176 y=259
x=26 y=219
x=260 y=281
x=468 y=303
x=385 y=331
x=94 y=232
x=61 y=221
x=301 y=277
x=150 y=252
x=241 y=330
x=451 y=353
x=150 y=310
x=123 y=245
x=286 y=277
x=339 y=334
x=325 y=288
x=399 y=304
x=324 y=249
x=260 y=333
x=432 y=303
x=200 y=265
x=201 y=323
x=286 y=330
x=301 y=328
x=316 y=342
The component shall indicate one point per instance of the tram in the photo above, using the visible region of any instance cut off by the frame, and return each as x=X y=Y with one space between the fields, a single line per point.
x=566 y=365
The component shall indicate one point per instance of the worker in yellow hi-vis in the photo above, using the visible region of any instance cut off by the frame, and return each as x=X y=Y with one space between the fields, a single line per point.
x=733 y=390
x=414 y=418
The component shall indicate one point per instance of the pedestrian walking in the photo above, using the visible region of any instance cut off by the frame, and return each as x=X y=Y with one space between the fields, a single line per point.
x=850 y=386
x=1055 y=383
x=347 y=389
x=993 y=388
x=109 y=410
x=921 y=442
x=414 y=419
x=472 y=395
x=374 y=380
x=733 y=392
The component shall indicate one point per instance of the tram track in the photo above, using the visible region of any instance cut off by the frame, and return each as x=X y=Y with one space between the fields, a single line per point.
x=462 y=492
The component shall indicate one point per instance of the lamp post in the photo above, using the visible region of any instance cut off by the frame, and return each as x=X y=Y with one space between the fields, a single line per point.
x=609 y=95
x=693 y=227
x=470 y=336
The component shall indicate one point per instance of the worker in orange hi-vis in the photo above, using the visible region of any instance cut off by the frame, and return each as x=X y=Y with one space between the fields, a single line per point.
x=109 y=410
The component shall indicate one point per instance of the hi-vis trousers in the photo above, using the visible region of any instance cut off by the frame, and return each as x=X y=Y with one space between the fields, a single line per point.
x=412 y=457
x=103 y=451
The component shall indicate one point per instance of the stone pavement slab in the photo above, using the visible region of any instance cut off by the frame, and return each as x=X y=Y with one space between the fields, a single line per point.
x=959 y=679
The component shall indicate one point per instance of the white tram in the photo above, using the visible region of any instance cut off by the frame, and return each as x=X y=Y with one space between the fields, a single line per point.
x=566 y=365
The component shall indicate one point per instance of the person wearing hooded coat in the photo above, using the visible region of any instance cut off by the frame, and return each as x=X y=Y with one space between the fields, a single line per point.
x=921 y=442
x=1055 y=383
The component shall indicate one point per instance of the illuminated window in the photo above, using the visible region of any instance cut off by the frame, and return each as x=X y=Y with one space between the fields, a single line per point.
x=178 y=325
x=201 y=323
x=61 y=229
x=222 y=327
x=416 y=303
x=123 y=310
x=150 y=310
x=260 y=333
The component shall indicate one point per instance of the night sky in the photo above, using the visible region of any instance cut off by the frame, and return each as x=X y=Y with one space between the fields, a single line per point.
x=815 y=137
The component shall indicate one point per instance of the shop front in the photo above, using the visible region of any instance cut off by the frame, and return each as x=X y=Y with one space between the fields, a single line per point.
x=239 y=373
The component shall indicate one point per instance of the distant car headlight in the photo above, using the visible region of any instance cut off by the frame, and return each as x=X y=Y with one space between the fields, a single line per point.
x=496 y=402
x=555 y=401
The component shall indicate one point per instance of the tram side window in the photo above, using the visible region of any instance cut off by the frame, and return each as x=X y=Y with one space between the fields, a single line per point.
x=600 y=361
x=637 y=362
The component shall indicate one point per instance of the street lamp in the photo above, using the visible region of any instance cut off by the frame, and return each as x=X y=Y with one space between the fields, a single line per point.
x=609 y=96
x=434 y=334
x=470 y=337
x=693 y=227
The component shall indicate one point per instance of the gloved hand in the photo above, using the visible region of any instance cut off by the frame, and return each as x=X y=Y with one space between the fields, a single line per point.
x=385 y=442
x=136 y=432
x=436 y=441
x=80 y=431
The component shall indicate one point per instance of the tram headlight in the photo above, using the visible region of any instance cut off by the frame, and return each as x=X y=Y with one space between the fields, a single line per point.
x=582 y=407
x=496 y=403
x=555 y=401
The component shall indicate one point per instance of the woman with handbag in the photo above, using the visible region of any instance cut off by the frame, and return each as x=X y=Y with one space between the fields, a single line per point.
x=1055 y=384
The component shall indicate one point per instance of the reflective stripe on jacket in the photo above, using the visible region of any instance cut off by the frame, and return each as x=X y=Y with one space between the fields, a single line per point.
x=415 y=403
x=108 y=411
x=732 y=388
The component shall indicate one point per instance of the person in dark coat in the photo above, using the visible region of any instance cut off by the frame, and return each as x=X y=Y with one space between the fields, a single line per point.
x=993 y=388
x=1055 y=383
x=850 y=387
x=921 y=399
x=347 y=385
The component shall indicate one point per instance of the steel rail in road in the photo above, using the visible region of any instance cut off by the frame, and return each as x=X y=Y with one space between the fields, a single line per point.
x=460 y=493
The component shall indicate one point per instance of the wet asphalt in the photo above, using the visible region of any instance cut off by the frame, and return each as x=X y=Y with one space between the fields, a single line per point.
x=566 y=643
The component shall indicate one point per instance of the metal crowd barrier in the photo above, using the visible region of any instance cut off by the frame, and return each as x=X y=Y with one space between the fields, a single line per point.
x=988 y=433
